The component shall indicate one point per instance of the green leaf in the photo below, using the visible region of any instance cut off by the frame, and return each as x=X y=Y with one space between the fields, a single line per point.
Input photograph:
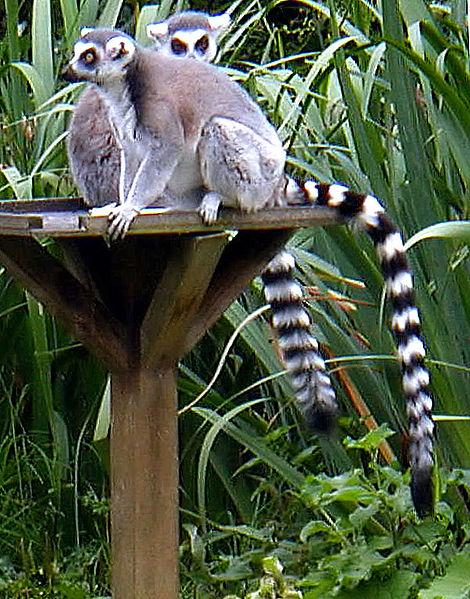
x=362 y=515
x=110 y=14
x=318 y=526
x=397 y=586
x=148 y=14
x=20 y=186
x=262 y=535
x=456 y=230
x=69 y=15
x=42 y=43
x=455 y=584
x=103 y=420
x=355 y=564
x=370 y=441
x=60 y=435
x=236 y=569
x=35 y=80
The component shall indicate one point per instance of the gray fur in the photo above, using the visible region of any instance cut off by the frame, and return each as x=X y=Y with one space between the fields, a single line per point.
x=93 y=151
x=170 y=130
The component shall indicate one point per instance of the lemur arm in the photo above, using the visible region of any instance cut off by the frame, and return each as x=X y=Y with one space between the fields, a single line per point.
x=155 y=170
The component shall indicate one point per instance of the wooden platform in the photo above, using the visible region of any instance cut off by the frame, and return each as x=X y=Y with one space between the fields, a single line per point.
x=63 y=217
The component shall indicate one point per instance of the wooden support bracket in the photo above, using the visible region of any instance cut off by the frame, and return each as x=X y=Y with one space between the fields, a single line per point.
x=178 y=296
x=64 y=296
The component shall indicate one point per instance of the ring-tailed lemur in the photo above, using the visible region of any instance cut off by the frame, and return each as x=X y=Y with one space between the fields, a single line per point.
x=94 y=156
x=172 y=141
x=92 y=149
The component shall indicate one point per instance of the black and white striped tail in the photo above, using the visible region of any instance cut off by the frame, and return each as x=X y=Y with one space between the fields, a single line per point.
x=298 y=347
x=368 y=211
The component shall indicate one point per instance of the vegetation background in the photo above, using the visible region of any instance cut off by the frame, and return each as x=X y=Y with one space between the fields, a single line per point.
x=375 y=95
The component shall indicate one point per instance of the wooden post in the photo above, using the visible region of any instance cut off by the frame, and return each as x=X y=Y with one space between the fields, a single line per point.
x=144 y=485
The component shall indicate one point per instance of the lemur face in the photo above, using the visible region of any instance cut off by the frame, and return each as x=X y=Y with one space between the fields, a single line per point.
x=189 y=34
x=100 y=55
x=192 y=44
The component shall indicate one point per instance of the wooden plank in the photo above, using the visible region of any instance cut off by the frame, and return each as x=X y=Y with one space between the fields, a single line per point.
x=38 y=205
x=152 y=221
x=62 y=294
x=126 y=273
x=176 y=300
x=19 y=223
x=144 y=484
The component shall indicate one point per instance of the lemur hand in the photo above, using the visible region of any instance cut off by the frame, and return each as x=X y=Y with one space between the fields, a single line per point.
x=120 y=219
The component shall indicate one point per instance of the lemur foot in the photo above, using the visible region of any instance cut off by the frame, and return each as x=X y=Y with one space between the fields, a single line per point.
x=209 y=208
x=120 y=219
x=102 y=210
x=293 y=193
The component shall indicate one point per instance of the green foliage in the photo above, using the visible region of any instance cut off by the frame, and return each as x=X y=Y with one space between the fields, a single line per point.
x=347 y=536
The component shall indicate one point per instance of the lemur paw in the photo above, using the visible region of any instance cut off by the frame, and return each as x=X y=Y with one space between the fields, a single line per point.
x=209 y=208
x=102 y=210
x=120 y=219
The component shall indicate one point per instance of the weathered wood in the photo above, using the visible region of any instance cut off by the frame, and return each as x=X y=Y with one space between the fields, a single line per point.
x=144 y=484
x=244 y=258
x=188 y=221
x=74 y=262
x=21 y=218
x=38 y=205
x=177 y=298
x=64 y=296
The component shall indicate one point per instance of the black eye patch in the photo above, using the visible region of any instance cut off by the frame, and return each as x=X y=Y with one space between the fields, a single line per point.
x=202 y=44
x=178 y=47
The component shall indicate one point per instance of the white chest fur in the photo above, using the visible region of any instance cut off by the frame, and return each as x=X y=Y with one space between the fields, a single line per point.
x=121 y=111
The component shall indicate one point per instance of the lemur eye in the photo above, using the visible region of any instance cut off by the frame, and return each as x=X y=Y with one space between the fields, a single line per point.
x=89 y=56
x=178 y=47
x=202 y=44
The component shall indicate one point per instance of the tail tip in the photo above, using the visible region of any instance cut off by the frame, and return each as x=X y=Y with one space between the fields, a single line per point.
x=422 y=491
x=322 y=420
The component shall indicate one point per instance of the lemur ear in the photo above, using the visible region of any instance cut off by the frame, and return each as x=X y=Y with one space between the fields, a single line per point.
x=157 y=30
x=85 y=30
x=219 y=21
x=119 y=45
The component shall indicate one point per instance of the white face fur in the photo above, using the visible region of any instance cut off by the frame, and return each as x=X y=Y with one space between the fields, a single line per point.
x=191 y=44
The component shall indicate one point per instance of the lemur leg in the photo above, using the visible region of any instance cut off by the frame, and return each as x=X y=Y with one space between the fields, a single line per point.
x=209 y=207
x=239 y=168
x=405 y=323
